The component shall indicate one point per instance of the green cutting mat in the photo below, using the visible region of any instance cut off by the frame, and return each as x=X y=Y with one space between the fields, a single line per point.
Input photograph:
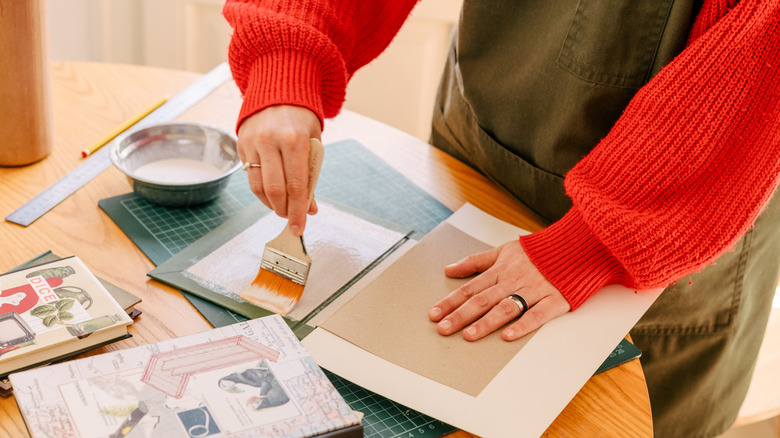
x=383 y=417
x=352 y=175
x=162 y=232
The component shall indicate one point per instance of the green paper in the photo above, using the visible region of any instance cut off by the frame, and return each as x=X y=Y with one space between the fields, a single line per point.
x=624 y=352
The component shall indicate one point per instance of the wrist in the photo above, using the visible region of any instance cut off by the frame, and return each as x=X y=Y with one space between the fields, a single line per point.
x=570 y=256
x=284 y=78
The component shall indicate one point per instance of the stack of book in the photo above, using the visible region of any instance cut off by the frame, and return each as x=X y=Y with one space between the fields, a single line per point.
x=55 y=310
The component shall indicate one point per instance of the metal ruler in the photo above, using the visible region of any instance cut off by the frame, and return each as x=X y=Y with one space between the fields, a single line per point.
x=100 y=161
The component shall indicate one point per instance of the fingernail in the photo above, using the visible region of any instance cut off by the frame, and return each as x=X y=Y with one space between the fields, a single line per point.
x=471 y=331
x=450 y=266
x=509 y=333
x=445 y=325
x=296 y=230
x=435 y=312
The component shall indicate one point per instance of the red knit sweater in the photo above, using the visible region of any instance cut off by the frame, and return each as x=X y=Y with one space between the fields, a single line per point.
x=678 y=180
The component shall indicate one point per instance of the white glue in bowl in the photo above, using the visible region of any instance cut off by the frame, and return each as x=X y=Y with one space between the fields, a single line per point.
x=177 y=164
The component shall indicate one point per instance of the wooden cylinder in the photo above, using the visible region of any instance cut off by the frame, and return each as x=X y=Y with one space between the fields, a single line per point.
x=26 y=125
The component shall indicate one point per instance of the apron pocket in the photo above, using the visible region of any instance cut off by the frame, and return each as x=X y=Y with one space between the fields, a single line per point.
x=614 y=43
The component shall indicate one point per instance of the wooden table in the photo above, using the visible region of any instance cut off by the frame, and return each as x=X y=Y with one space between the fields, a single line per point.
x=91 y=99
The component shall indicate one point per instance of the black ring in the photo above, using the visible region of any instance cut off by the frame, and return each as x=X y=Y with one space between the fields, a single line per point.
x=521 y=301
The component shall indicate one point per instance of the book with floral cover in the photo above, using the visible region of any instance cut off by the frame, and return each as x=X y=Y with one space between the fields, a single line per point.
x=52 y=310
x=253 y=378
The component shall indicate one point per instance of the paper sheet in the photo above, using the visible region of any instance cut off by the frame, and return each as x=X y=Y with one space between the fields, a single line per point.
x=524 y=398
x=388 y=317
x=340 y=244
x=347 y=295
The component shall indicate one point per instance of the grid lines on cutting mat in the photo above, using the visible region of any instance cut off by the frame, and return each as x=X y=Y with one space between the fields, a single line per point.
x=174 y=229
x=368 y=183
x=384 y=418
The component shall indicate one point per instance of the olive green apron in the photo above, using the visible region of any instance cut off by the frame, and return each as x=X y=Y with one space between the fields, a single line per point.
x=529 y=88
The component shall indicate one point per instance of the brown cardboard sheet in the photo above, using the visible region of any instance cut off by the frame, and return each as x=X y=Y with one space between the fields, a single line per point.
x=389 y=317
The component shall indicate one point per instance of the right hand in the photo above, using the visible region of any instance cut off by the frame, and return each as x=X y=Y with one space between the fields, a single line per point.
x=481 y=307
x=277 y=138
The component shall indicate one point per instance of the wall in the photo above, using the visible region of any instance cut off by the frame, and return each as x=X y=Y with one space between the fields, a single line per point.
x=398 y=88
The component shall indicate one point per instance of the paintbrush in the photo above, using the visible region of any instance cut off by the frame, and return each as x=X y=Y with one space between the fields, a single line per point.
x=285 y=265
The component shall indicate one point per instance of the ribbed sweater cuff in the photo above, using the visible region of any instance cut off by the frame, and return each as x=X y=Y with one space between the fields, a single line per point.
x=572 y=258
x=282 y=78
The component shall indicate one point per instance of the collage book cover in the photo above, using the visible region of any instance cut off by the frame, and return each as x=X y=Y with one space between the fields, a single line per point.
x=53 y=309
x=252 y=378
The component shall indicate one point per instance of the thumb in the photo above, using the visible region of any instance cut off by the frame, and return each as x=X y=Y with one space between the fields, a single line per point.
x=479 y=262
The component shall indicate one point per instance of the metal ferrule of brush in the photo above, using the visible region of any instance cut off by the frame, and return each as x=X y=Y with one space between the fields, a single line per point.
x=285 y=265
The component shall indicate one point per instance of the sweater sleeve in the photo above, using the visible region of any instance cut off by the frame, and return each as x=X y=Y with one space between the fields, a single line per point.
x=304 y=53
x=684 y=172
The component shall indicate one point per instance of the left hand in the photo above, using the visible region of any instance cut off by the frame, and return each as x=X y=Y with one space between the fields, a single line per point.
x=483 y=303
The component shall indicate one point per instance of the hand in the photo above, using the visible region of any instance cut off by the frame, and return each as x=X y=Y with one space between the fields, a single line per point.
x=277 y=138
x=484 y=301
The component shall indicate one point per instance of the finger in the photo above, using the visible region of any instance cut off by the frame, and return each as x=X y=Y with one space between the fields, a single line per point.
x=472 y=310
x=479 y=262
x=254 y=174
x=274 y=185
x=506 y=310
x=547 y=309
x=295 y=157
x=459 y=296
x=313 y=209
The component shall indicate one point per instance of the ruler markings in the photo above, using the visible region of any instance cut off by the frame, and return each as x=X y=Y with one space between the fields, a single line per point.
x=100 y=160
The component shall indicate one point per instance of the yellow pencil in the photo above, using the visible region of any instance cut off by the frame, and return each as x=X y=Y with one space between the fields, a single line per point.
x=121 y=128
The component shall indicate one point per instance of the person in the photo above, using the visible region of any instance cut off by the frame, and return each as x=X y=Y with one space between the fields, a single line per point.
x=646 y=133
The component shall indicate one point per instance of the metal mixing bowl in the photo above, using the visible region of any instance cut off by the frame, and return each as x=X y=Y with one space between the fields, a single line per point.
x=204 y=146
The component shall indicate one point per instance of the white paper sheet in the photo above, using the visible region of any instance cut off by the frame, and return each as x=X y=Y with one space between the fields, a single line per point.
x=530 y=392
x=340 y=244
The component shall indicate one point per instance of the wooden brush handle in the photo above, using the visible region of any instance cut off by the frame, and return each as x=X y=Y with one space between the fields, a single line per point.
x=287 y=242
x=316 y=154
